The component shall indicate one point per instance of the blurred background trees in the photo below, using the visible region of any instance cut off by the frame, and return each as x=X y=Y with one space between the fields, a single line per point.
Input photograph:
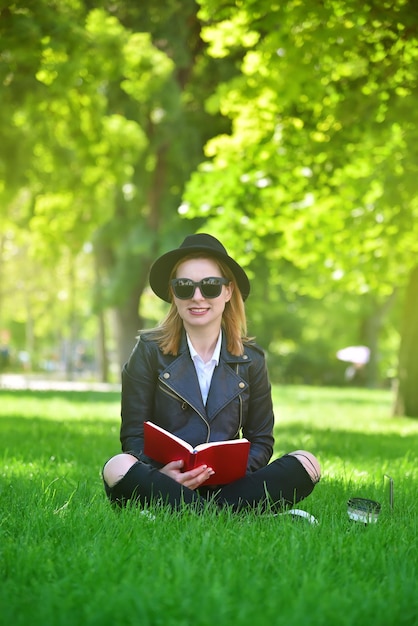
x=288 y=131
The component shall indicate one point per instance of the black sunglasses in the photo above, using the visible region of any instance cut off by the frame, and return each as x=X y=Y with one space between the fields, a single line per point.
x=210 y=287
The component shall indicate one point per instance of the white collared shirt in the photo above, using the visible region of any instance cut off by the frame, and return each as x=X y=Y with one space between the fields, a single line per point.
x=205 y=370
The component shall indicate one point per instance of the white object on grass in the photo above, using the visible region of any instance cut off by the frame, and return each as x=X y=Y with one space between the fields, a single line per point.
x=299 y=513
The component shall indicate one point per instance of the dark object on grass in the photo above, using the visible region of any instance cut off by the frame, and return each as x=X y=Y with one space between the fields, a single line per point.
x=363 y=510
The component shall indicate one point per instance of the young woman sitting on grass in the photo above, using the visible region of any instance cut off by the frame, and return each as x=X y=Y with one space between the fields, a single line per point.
x=198 y=376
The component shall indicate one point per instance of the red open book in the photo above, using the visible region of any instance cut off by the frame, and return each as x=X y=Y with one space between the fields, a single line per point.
x=228 y=459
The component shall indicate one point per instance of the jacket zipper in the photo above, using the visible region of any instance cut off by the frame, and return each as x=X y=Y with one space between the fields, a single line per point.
x=174 y=394
x=240 y=403
x=176 y=397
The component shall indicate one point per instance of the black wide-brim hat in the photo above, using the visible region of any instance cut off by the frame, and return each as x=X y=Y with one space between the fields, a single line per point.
x=206 y=244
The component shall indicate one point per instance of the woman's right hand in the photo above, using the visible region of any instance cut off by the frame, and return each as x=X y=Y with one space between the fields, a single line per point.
x=191 y=479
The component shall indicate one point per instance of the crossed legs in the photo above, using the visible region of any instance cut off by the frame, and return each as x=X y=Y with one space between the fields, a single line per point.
x=283 y=482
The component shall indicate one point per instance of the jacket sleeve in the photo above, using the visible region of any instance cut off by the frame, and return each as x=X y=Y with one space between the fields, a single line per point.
x=139 y=376
x=259 y=425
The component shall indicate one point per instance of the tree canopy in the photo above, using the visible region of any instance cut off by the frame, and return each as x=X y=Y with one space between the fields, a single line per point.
x=289 y=130
x=323 y=149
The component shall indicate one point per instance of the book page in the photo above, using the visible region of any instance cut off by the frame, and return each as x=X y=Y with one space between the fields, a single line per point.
x=166 y=433
x=211 y=444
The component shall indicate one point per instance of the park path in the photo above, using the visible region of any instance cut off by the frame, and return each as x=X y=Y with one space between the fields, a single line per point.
x=42 y=383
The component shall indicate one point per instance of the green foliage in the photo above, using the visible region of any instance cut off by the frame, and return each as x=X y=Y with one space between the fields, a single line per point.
x=111 y=120
x=307 y=114
x=316 y=170
x=66 y=556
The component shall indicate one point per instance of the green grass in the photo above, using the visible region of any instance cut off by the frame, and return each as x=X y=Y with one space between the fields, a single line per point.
x=67 y=558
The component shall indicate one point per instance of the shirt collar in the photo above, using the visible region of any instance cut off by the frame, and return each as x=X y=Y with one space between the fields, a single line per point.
x=216 y=352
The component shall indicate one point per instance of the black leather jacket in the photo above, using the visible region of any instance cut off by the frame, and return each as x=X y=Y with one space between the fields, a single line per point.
x=165 y=390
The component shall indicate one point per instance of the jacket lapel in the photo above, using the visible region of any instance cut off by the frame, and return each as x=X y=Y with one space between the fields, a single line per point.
x=227 y=384
x=181 y=377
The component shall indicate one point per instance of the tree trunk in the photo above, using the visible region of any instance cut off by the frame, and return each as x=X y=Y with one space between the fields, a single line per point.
x=407 y=393
x=71 y=350
x=128 y=323
x=103 y=357
x=369 y=336
x=102 y=348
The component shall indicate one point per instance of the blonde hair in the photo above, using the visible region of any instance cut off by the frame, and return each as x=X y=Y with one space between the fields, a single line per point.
x=234 y=322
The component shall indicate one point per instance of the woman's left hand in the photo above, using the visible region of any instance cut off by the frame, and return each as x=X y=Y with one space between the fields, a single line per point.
x=191 y=479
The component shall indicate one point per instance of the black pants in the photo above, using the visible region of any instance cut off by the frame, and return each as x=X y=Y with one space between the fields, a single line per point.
x=278 y=485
